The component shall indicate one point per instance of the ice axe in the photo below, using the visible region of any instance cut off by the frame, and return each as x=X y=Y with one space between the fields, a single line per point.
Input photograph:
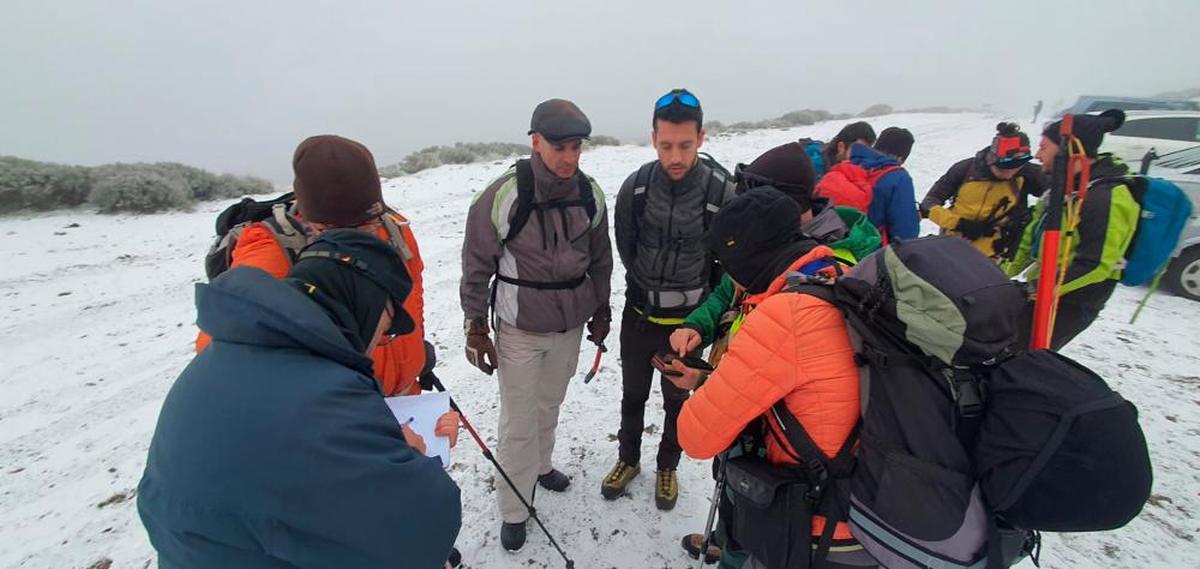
x=600 y=349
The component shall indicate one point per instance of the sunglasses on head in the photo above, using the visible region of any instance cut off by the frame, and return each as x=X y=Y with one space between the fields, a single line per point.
x=684 y=97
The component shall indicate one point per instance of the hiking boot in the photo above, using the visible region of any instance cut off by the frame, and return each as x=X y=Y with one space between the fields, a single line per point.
x=454 y=561
x=554 y=481
x=666 y=489
x=512 y=536
x=691 y=544
x=618 y=479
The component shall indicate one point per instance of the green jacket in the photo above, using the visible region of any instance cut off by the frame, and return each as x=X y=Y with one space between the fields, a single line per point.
x=847 y=230
x=1107 y=222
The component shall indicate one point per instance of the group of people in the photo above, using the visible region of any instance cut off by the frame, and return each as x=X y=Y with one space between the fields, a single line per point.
x=275 y=448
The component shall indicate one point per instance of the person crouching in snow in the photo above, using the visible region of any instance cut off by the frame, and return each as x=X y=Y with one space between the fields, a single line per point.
x=274 y=447
x=791 y=348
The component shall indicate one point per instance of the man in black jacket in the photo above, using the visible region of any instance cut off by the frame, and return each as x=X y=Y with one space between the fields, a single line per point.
x=662 y=213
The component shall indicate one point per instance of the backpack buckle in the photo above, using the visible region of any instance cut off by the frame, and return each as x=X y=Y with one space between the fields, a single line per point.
x=967 y=393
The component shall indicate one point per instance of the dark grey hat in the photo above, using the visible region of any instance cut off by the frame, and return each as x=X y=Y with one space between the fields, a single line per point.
x=559 y=120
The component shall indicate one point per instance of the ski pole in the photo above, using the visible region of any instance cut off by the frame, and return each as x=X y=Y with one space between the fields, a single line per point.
x=600 y=349
x=487 y=453
x=718 y=489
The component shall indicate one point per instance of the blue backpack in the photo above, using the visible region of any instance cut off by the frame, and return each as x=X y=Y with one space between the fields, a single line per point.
x=814 y=150
x=1165 y=213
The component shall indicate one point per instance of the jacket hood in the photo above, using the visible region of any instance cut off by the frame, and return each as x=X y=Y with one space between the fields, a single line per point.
x=869 y=158
x=1108 y=166
x=246 y=305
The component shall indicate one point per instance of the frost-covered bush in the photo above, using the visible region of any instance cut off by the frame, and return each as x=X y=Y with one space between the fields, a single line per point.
x=602 y=140
x=459 y=153
x=27 y=184
x=876 y=111
x=138 y=188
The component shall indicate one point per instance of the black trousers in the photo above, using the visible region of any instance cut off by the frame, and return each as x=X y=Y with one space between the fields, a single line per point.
x=640 y=340
x=1076 y=311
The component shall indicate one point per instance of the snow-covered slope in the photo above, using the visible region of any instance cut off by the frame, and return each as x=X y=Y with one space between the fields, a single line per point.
x=98 y=321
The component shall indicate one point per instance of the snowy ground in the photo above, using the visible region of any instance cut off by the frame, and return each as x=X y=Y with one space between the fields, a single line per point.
x=98 y=320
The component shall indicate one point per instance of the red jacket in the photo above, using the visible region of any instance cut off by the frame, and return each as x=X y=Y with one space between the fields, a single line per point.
x=793 y=347
x=398 y=362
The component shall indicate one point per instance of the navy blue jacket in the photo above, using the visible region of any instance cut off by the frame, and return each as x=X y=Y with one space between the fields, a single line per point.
x=274 y=448
x=893 y=203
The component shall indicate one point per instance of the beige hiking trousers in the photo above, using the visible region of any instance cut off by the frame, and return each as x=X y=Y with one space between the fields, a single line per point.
x=534 y=370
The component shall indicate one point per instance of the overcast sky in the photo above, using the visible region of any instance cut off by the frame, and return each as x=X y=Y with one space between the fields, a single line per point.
x=234 y=86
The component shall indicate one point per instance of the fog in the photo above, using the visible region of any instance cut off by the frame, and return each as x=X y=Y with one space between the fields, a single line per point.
x=233 y=86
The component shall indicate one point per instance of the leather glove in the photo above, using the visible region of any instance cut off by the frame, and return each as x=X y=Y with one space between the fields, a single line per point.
x=599 y=325
x=481 y=352
x=924 y=211
x=974 y=229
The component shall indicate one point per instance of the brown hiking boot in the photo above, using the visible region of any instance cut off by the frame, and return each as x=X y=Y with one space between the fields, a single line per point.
x=618 y=479
x=666 y=489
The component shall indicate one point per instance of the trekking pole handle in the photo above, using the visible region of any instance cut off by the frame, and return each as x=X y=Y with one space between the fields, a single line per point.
x=437 y=384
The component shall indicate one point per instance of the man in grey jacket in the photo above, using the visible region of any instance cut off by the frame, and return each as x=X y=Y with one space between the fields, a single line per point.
x=662 y=214
x=541 y=232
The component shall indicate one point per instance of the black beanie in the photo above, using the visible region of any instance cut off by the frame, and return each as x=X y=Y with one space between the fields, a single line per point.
x=1090 y=129
x=786 y=168
x=895 y=141
x=756 y=235
x=336 y=181
x=352 y=274
x=854 y=132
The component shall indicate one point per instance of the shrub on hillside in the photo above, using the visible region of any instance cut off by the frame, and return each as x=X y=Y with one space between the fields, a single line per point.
x=876 y=111
x=138 y=188
x=602 y=140
x=459 y=153
x=27 y=184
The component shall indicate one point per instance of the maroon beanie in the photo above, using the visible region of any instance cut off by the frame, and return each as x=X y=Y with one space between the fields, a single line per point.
x=336 y=181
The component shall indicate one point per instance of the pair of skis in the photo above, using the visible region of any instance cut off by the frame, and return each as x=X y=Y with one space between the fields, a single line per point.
x=1072 y=170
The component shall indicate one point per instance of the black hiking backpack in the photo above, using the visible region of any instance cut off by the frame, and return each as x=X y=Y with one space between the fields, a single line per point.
x=714 y=188
x=526 y=204
x=290 y=234
x=287 y=230
x=969 y=444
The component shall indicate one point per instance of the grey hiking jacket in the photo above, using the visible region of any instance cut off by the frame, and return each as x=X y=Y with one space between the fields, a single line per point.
x=561 y=245
x=668 y=269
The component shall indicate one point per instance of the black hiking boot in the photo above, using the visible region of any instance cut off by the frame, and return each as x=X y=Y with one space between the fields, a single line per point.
x=455 y=559
x=691 y=544
x=554 y=481
x=512 y=536
x=666 y=489
x=618 y=479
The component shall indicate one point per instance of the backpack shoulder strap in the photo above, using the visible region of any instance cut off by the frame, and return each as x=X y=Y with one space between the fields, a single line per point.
x=524 y=198
x=287 y=230
x=641 y=185
x=715 y=190
x=396 y=236
x=587 y=197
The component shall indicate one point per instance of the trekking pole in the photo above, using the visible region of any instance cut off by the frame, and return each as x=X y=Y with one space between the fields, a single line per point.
x=600 y=349
x=487 y=453
x=1145 y=299
x=712 y=512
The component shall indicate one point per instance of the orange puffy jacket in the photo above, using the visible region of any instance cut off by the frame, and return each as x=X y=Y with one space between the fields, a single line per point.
x=793 y=347
x=398 y=362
